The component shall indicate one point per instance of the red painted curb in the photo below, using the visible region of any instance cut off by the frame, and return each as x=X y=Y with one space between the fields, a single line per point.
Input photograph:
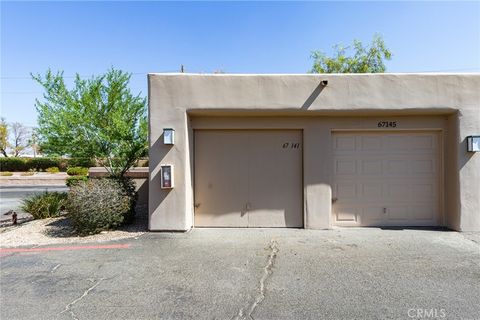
x=110 y=246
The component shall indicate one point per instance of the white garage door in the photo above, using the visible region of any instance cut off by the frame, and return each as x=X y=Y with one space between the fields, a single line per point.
x=386 y=179
x=248 y=178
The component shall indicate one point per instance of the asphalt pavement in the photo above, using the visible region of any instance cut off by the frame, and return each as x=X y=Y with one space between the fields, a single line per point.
x=365 y=273
x=11 y=196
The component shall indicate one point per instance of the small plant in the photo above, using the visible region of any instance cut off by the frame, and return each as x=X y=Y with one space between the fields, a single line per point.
x=77 y=171
x=29 y=173
x=71 y=181
x=45 y=205
x=6 y=173
x=52 y=170
x=101 y=204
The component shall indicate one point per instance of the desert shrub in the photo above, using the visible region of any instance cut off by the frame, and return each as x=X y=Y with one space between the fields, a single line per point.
x=81 y=162
x=13 y=164
x=73 y=180
x=6 y=173
x=101 y=204
x=52 y=170
x=62 y=164
x=28 y=173
x=41 y=164
x=45 y=205
x=77 y=171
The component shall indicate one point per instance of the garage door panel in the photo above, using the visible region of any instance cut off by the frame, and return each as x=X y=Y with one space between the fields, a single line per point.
x=423 y=212
x=423 y=166
x=424 y=143
x=275 y=183
x=219 y=184
x=371 y=143
x=371 y=215
x=397 y=167
x=386 y=178
x=373 y=190
x=398 y=213
x=424 y=191
x=345 y=167
x=396 y=143
x=346 y=190
x=248 y=178
x=399 y=192
x=371 y=167
x=345 y=143
x=347 y=214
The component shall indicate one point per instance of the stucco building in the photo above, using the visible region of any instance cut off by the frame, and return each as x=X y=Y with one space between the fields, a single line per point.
x=313 y=151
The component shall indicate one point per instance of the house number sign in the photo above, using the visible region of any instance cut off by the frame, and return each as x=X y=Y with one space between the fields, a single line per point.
x=291 y=145
x=387 y=124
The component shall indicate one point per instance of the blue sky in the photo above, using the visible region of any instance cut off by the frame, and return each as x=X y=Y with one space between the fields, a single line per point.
x=236 y=37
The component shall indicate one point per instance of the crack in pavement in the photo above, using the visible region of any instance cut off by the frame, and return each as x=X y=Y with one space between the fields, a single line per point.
x=55 y=268
x=69 y=306
x=267 y=272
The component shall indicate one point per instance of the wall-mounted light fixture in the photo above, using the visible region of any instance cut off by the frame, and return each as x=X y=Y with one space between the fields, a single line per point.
x=473 y=143
x=168 y=136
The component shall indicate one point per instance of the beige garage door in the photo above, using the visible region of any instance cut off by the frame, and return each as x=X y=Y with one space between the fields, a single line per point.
x=386 y=179
x=248 y=178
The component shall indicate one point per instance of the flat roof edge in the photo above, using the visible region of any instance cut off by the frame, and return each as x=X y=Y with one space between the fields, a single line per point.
x=313 y=74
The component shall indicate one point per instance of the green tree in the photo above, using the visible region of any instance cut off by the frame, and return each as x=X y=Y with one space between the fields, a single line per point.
x=99 y=118
x=3 y=137
x=365 y=59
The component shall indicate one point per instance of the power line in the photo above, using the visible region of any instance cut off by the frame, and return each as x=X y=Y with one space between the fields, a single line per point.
x=20 y=92
x=447 y=70
x=83 y=76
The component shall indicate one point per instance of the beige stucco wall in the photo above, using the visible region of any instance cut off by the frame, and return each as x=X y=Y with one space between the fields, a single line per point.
x=449 y=103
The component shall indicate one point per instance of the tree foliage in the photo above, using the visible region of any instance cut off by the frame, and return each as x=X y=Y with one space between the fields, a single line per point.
x=99 y=118
x=365 y=59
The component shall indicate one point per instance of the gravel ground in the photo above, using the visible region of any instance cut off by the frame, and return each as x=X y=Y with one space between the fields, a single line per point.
x=60 y=231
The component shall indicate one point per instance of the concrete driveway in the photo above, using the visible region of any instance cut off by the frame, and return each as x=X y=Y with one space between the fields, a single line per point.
x=249 y=274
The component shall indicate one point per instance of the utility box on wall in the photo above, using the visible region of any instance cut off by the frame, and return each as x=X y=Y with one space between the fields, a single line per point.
x=167 y=176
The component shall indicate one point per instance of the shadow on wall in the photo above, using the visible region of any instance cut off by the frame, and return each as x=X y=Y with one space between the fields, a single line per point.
x=313 y=96
x=142 y=201
x=468 y=155
x=462 y=146
x=161 y=150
